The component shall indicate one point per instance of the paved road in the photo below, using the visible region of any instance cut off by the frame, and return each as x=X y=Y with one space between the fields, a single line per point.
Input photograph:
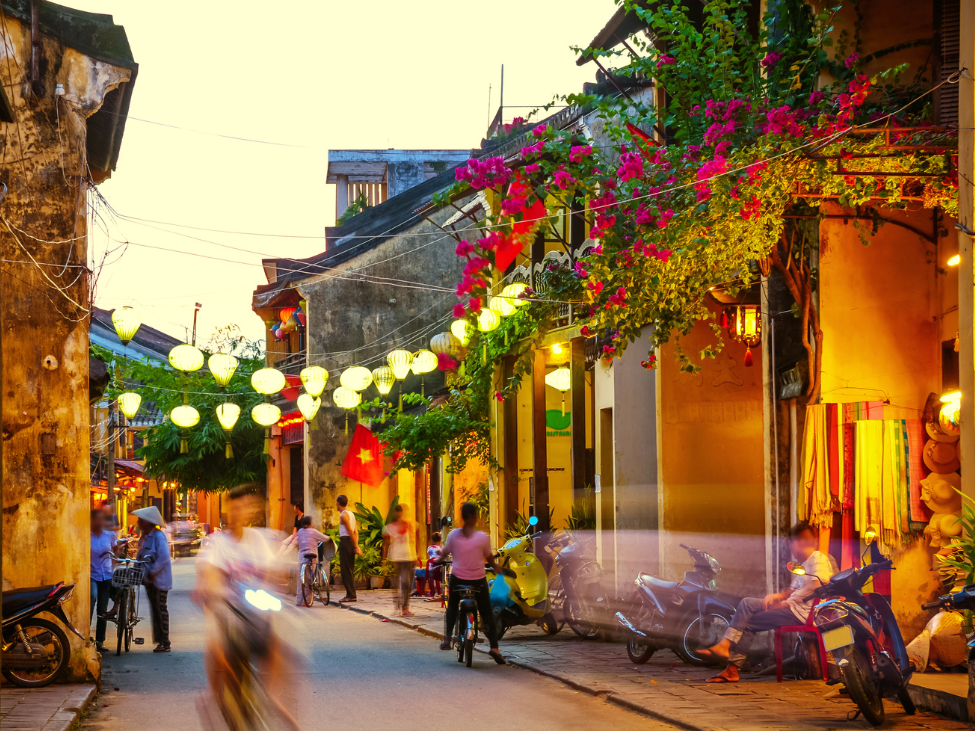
x=358 y=673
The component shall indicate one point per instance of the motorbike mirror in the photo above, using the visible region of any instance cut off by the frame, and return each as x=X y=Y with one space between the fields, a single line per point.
x=797 y=568
x=533 y=520
x=869 y=534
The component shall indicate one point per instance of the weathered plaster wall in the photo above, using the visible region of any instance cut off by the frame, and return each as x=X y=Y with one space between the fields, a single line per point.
x=45 y=331
x=347 y=314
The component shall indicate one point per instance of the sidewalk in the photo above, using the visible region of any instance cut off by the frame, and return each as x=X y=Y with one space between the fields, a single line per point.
x=664 y=688
x=54 y=708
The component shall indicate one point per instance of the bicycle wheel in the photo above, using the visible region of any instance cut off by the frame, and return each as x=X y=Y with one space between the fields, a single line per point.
x=323 y=588
x=462 y=633
x=122 y=619
x=307 y=595
x=469 y=643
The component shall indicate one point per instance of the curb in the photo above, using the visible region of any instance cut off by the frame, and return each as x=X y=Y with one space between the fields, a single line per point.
x=607 y=695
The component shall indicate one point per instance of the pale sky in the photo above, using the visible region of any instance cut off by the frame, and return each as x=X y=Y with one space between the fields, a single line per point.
x=317 y=75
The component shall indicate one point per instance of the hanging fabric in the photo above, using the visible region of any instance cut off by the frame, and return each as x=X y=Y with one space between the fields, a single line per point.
x=815 y=504
x=833 y=451
x=919 y=513
x=869 y=470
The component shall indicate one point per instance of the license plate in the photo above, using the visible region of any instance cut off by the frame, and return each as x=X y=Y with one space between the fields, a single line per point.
x=837 y=637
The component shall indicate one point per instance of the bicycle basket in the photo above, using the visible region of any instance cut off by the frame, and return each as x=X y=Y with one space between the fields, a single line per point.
x=125 y=576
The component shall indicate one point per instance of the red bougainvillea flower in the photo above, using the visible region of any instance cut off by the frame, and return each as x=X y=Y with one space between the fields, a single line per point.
x=650 y=362
x=585 y=331
x=499 y=396
x=854 y=57
x=474 y=305
x=445 y=362
x=595 y=288
x=459 y=311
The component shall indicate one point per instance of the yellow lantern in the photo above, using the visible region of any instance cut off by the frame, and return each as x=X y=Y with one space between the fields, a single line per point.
x=384 y=378
x=745 y=325
x=186 y=358
x=488 y=320
x=423 y=362
x=314 y=379
x=227 y=415
x=129 y=403
x=222 y=368
x=356 y=378
x=513 y=292
x=461 y=330
x=185 y=417
x=126 y=322
x=502 y=305
x=347 y=399
x=267 y=381
x=308 y=405
x=267 y=415
x=561 y=380
x=445 y=343
x=400 y=361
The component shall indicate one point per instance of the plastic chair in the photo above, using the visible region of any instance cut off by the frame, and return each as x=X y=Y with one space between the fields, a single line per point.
x=809 y=628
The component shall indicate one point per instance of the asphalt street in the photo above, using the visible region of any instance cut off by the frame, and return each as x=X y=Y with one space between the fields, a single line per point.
x=353 y=672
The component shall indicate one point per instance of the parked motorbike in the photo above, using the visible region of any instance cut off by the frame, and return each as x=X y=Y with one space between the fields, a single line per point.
x=580 y=594
x=35 y=651
x=959 y=600
x=860 y=631
x=683 y=617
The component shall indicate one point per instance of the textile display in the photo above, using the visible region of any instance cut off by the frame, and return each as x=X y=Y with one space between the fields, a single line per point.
x=815 y=503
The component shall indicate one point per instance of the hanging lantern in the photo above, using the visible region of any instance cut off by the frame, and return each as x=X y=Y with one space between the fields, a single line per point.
x=423 y=362
x=346 y=399
x=185 y=417
x=302 y=317
x=186 y=358
x=488 y=320
x=384 y=378
x=445 y=343
x=227 y=415
x=314 y=379
x=950 y=416
x=279 y=333
x=356 y=378
x=561 y=380
x=268 y=381
x=513 y=292
x=400 y=361
x=461 y=330
x=502 y=305
x=267 y=415
x=222 y=368
x=745 y=326
x=126 y=322
x=128 y=403
x=285 y=314
x=308 y=406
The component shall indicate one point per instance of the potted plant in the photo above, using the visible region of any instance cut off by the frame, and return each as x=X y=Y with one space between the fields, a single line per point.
x=365 y=565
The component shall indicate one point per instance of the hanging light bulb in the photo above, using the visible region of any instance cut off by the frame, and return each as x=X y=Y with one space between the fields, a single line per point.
x=488 y=320
x=314 y=379
x=185 y=417
x=561 y=380
x=308 y=405
x=445 y=343
x=126 y=322
x=400 y=361
x=129 y=403
x=222 y=368
x=461 y=330
x=186 y=358
x=227 y=415
x=346 y=399
x=267 y=381
x=356 y=378
x=502 y=305
x=267 y=415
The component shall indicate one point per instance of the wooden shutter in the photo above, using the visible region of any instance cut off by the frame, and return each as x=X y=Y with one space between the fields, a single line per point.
x=948 y=97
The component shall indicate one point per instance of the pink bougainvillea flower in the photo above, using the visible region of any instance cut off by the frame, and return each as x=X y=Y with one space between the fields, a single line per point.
x=445 y=362
x=539 y=131
x=474 y=304
x=666 y=61
x=650 y=362
x=499 y=396
x=512 y=206
x=771 y=59
x=464 y=248
x=619 y=298
x=577 y=152
x=854 y=57
x=595 y=288
x=459 y=311
x=631 y=166
x=581 y=270
x=532 y=168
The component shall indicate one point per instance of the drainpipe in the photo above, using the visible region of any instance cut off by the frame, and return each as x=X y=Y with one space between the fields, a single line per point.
x=966 y=231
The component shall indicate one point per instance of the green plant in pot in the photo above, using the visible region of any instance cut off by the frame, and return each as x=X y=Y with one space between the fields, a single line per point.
x=370 y=523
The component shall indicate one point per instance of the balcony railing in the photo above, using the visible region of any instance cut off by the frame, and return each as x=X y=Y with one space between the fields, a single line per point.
x=291 y=364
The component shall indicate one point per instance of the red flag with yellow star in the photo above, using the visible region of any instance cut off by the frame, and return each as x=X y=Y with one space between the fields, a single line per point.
x=364 y=460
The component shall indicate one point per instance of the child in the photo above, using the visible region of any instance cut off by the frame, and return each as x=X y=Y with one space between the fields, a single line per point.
x=435 y=572
x=307 y=539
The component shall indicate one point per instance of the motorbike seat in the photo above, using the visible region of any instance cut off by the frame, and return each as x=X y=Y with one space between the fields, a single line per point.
x=658 y=583
x=17 y=600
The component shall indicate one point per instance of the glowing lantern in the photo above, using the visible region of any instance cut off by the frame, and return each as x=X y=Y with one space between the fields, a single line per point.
x=266 y=415
x=185 y=417
x=285 y=314
x=513 y=292
x=384 y=378
x=268 y=381
x=222 y=368
x=186 y=358
x=423 y=362
x=488 y=320
x=227 y=415
x=445 y=343
x=745 y=326
x=950 y=415
x=308 y=406
x=461 y=330
x=561 y=380
x=502 y=305
x=314 y=379
x=400 y=361
x=129 y=403
x=356 y=378
x=126 y=322
x=346 y=399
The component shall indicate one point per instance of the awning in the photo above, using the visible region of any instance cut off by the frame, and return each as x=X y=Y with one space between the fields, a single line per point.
x=126 y=464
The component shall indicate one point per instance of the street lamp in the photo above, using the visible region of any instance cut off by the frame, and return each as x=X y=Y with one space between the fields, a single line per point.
x=445 y=343
x=385 y=379
x=227 y=415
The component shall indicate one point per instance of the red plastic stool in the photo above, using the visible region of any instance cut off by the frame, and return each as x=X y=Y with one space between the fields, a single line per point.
x=809 y=628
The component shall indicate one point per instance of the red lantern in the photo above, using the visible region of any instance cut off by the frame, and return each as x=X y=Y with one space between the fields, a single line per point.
x=286 y=313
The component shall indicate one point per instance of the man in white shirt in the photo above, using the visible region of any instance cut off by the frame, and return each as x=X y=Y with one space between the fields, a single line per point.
x=786 y=608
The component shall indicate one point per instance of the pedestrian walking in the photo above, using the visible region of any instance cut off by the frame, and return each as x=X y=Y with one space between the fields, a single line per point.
x=154 y=550
x=399 y=546
x=348 y=547
x=307 y=539
x=103 y=547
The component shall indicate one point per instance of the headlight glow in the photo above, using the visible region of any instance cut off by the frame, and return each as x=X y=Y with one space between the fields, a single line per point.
x=262 y=600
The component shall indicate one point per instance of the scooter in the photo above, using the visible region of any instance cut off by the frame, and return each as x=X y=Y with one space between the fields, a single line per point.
x=35 y=651
x=682 y=617
x=861 y=633
x=580 y=592
x=959 y=600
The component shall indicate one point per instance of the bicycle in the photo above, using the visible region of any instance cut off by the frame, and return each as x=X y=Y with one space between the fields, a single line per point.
x=319 y=583
x=127 y=578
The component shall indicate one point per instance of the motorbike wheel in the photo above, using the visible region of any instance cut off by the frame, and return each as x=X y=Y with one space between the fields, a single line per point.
x=573 y=617
x=639 y=650
x=549 y=624
x=860 y=686
x=905 y=698
x=52 y=637
x=500 y=626
x=469 y=643
x=689 y=641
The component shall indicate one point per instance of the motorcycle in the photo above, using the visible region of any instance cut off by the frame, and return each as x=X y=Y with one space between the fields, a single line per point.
x=580 y=594
x=35 y=651
x=682 y=617
x=862 y=635
x=960 y=600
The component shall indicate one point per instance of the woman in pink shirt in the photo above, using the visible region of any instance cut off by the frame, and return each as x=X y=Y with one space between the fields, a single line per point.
x=470 y=549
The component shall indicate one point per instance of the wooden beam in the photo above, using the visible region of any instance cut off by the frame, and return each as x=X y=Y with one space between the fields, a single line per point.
x=539 y=441
x=510 y=446
x=577 y=394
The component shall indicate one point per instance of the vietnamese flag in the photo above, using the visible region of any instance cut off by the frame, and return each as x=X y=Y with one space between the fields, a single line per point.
x=364 y=460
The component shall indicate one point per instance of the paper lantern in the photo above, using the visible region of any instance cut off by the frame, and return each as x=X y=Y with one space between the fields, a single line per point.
x=126 y=322
x=745 y=325
x=400 y=361
x=227 y=415
x=488 y=320
x=502 y=305
x=445 y=343
x=346 y=398
x=268 y=381
x=285 y=314
x=186 y=358
x=302 y=318
x=356 y=378
x=222 y=368
x=561 y=380
x=185 y=417
x=289 y=327
x=461 y=330
x=314 y=379
x=423 y=362
x=128 y=404
x=513 y=292
x=950 y=415
x=384 y=378
x=279 y=333
x=267 y=415
x=308 y=405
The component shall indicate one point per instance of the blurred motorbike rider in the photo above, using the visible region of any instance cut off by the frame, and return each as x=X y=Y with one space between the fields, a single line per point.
x=239 y=555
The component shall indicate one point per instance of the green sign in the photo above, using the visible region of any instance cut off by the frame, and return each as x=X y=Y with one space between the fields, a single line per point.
x=558 y=423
